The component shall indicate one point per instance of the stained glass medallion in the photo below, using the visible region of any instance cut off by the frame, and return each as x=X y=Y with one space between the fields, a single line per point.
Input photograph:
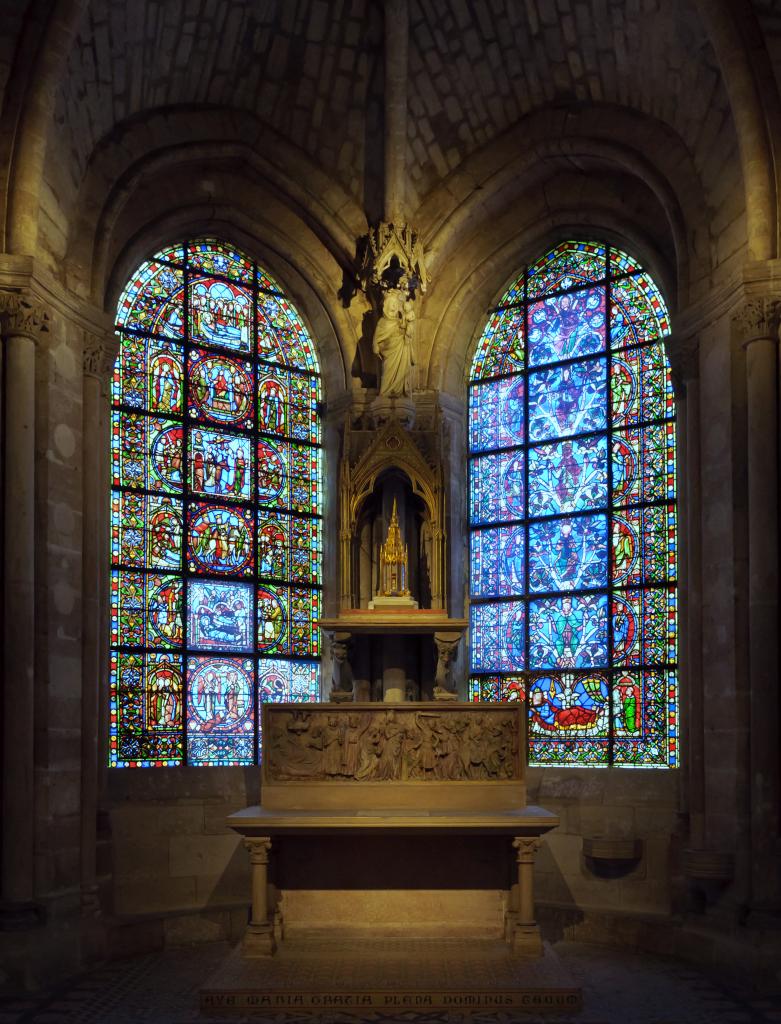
x=572 y=489
x=216 y=506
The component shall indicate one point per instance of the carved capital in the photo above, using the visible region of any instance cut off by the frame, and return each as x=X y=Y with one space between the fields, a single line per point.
x=20 y=315
x=526 y=847
x=259 y=848
x=98 y=354
x=757 y=318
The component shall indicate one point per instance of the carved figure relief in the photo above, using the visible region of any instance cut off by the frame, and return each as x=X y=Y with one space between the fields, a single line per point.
x=395 y=744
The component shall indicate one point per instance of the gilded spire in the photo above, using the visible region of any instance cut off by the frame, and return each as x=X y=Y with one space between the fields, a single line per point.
x=393 y=559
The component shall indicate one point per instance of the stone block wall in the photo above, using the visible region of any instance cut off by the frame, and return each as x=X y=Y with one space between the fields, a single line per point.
x=179 y=875
x=615 y=804
x=174 y=863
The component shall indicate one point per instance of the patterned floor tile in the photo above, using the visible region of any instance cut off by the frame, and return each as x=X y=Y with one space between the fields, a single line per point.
x=619 y=987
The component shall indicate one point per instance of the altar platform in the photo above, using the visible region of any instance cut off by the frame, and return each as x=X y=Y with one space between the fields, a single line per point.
x=323 y=973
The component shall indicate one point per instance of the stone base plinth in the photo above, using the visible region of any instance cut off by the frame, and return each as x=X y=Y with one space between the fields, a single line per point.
x=341 y=696
x=389 y=601
x=416 y=912
x=397 y=407
x=526 y=940
x=258 y=941
x=335 y=971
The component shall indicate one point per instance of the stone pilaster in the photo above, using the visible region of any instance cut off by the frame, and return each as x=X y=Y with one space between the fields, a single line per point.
x=756 y=327
x=22 y=321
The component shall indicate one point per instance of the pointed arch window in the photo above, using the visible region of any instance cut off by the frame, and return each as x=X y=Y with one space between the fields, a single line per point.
x=572 y=511
x=215 y=508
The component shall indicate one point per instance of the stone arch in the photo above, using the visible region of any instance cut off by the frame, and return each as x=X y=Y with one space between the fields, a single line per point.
x=166 y=142
x=619 y=138
x=28 y=155
x=724 y=21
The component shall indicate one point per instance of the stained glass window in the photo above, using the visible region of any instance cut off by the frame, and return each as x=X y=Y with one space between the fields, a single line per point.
x=573 y=528
x=215 y=509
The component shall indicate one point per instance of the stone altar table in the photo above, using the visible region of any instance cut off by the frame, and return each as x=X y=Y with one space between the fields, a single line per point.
x=411 y=770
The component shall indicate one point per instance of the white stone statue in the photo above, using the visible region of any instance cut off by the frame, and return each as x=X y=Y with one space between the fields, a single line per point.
x=394 y=342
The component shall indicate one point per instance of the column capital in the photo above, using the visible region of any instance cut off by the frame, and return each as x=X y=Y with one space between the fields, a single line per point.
x=21 y=315
x=259 y=847
x=97 y=355
x=758 y=318
x=526 y=847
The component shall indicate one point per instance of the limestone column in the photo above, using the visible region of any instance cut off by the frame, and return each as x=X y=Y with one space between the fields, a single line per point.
x=259 y=937
x=526 y=938
x=22 y=324
x=757 y=327
x=97 y=361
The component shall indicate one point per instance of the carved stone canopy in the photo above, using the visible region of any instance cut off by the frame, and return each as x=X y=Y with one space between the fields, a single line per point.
x=392 y=256
x=392 y=448
x=21 y=315
x=416 y=455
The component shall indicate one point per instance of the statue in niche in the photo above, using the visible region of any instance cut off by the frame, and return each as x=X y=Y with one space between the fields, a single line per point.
x=394 y=341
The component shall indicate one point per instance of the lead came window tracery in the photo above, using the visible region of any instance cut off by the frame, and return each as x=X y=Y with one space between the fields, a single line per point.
x=215 y=509
x=572 y=505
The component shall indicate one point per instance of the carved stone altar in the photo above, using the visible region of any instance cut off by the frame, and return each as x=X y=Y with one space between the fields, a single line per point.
x=424 y=772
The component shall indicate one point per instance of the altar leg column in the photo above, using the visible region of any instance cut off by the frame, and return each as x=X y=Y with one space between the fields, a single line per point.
x=526 y=938
x=259 y=936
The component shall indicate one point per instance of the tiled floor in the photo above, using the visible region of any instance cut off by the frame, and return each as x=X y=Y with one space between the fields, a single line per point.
x=619 y=987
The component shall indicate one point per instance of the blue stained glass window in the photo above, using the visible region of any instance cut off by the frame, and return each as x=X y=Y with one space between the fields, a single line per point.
x=572 y=511
x=569 y=399
x=216 y=509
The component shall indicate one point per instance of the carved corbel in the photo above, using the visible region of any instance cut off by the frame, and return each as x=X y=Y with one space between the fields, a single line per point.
x=447 y=649
x=342 y=680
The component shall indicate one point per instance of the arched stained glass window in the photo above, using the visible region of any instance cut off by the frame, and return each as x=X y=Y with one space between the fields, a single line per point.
x=572 y=511
x=215 y=509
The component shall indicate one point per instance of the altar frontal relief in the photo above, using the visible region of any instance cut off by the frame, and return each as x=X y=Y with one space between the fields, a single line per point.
x=420 y=744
